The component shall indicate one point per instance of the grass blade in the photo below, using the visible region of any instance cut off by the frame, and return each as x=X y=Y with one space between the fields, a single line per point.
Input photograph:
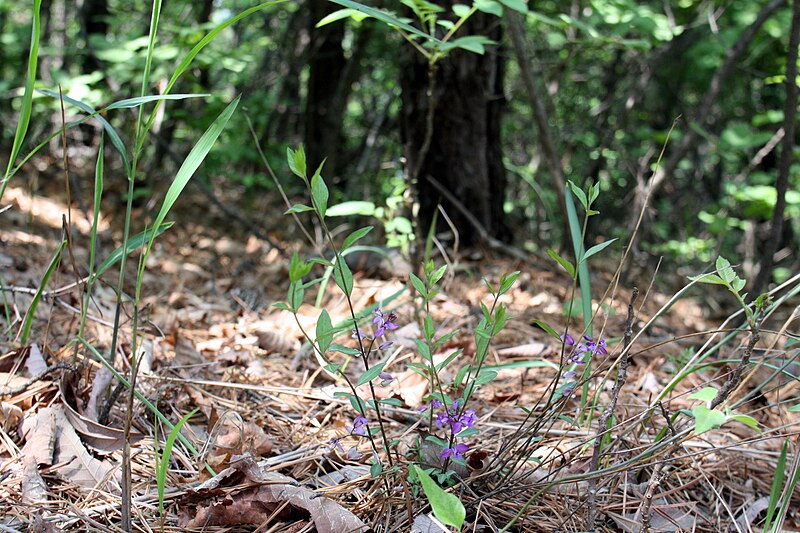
x=28 y=321
x=27 y=96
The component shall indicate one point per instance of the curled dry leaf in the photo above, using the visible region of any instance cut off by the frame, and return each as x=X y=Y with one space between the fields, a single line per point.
x=215 y=502
x=102 y=438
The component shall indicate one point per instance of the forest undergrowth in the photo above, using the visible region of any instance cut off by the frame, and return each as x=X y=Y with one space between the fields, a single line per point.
x=161 y=370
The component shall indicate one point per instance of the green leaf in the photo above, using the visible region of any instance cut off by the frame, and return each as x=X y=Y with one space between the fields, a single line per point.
x=579 y=194
x=297 y=161
x=418 y=285
x=485 y=377
x=385 y=17
x=446 y=507
x=370 y=374
x=461 y=10
x=506 y=282
x=141 y=100
x=193 y=161
x=339 y=348
x=295 y=295
x=437 y=274
x=133 y=243
x=166 y=454
x=516 y=5
x=28 y=321
x=343 y=276
x=298 y=268
x=319 y=191
x=597 y=248
x=333 y=368
x=360 y=208
x=795 y=408
x=450 y=359
x=711 y=279
x=27 y=95
x=342 y=14
x=282 y=305
x=706 y=394
x=546 y=327
x=566 y=265
x=297 y=208
x=706 y=419
x=375 y=469
x=724 y=269
x=324 y=331
x=356 y=235
x=428 y=328
x=423 y=349
x=489 y=6
x=471 y=43
x=747 y=420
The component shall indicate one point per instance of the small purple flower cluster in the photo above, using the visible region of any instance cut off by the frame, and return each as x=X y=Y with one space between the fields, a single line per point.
x=358 y=428
x=455 y=421
x=580 y=355
x=384 y=323
x=450 y=417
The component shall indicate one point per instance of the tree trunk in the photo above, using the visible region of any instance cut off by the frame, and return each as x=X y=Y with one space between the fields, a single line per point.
x=92 y=14
x=324 y=104
x=464 y=151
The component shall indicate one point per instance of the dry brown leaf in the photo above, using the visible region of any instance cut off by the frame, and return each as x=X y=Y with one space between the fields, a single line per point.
x=39 y=432
x=102 y=380
x=101 y=438
x=215 y=504
x=10 y=415
x=78 y=465
x=34 y=489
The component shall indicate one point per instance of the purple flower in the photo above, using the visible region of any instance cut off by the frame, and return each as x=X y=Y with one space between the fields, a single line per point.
x=385 y=322
x=568 y=340
x=384 y=345
x=358 y=333
x=359 y=426
x=455 y=452
x=335 y=443
x=385 y=376
x=569 y=374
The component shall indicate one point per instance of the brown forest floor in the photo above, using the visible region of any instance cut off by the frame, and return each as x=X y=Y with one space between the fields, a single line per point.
x=214 y=343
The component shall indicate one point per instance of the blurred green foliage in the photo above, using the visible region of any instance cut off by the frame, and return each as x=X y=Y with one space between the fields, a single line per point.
x=616 y=74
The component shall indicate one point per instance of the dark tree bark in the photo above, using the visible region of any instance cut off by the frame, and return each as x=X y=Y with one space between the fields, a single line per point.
x=789 y=122
x=325 y=101
x=93 y=20
x=464 y=150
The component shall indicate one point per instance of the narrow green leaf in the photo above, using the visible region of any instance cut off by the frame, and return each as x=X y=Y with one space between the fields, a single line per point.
x=437 y=274
x=341 y=14
x=343 y=277
x=546 y=327
x=777 y=483
x=579 y=194
x=297 y=208
x=450 y=358
x=27 y=96
x=446 y=507
x=485 y=377
x=355 y=207
x=319 y=191
x=370 y=374
x=129 y=103
x=27 y=323
x=296 y=160
x=506 y=282
x=597 y=248
x=418 y=285
x=344 y=349
x=356 y=235
x=324 y=331
x=166 y=454
x=133 y=243
x=387 y=18
x=712 y=279
x=565 y=264
x=747 y=420
x=193 y=161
